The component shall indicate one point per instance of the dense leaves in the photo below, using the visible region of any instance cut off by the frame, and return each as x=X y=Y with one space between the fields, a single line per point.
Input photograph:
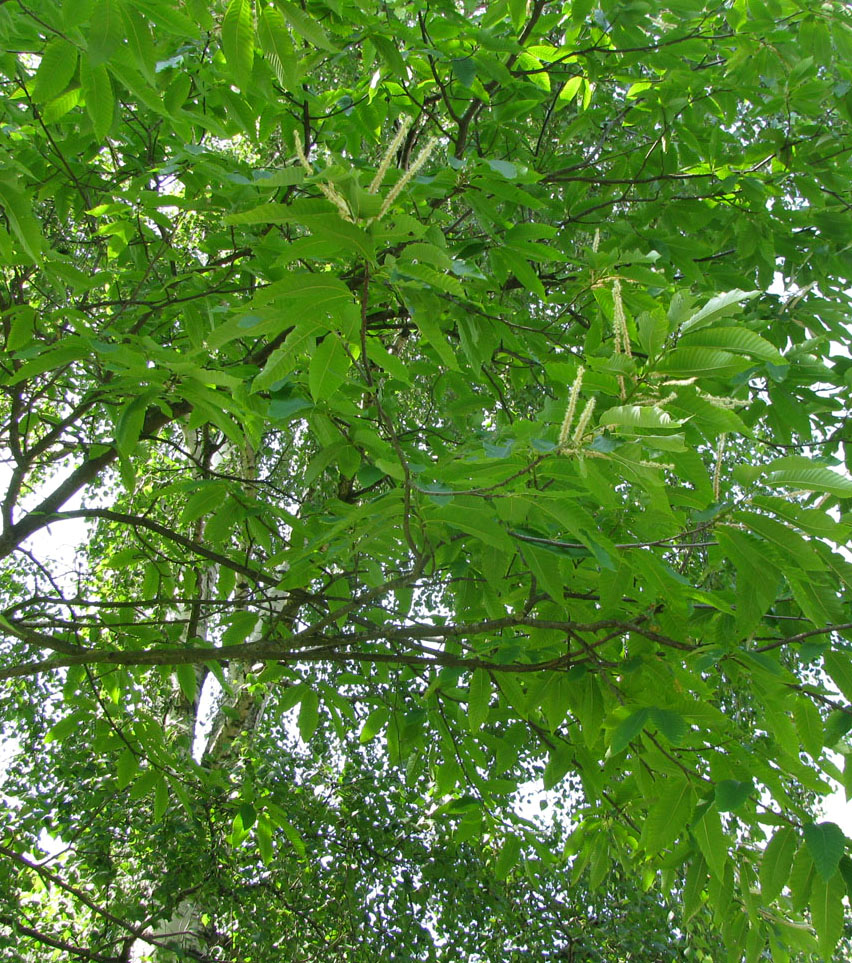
x=406 y=407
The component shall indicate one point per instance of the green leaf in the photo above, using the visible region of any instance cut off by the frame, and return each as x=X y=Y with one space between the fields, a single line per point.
x=702 y=363
x=722 y=305
x=373 y=724
x=627 y=730
x=204 y=501
x=278 y=47
x=308 y=714
x=735 y=339
x=811 y=480
x=284 y=359
x=809 y=726
x=328 y=368
x=478 y=700
x=18 y=211
x=838 y=664
x=669 y=814
x=802 y=875
x=777 y=862
x=826 y=844
x=477 y=520
x=126 y=767
x=99 y=97
x=238 y=41
x=56 y=70
x=712 y=842
x=379 y=355
x=693 y=887
x=305 y=25
x=187 y=681
x=130 y=423
x=826 y=905
x=105 y=33
x=638 y=416
x=509 y=854
x=732 y=793
x=161 y=798
x=264 y=838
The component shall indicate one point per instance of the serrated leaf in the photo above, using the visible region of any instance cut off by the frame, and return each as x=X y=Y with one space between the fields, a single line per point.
x=306 y=26
x=719 y=306
x=627 y=730
x=60 y=106
x=509 y=854
x=130 y=423
x=693 y=887
x=845 y=867
x=379 y=354
x=478 y=699
x=735 y=339
x=282 y=361
x=57 y=67
x=204 y=501
x=25 y=227
x=703 y=363
x=802 y=875
x=308 y=714
x=264 y=838
x=187 y=680
x=477 y=520
x=99 y=96
x=161 y=798
x=809 y=726
x=247 y=816
x=777 y=861
x=838 y=664
x=712 y=842
x=278 y=47
x=328 y=368
x=373 y=724
x=638 y=416
x=826 y=844
x=126 y=768
x=812 y=480
x=105 y=32
x=238 y=41
x=669 y=814
x=732 y=793
x=826 y=905
x=140 y=41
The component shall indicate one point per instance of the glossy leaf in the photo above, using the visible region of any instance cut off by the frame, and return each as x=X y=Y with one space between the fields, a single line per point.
x=826 y=844
x=238 y=40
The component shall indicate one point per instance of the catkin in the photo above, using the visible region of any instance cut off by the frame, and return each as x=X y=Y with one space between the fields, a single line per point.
x=717 y=468
x=400 y=185
x=622 y=338
x=585 y=418
x=568 y=420
x=390 y=153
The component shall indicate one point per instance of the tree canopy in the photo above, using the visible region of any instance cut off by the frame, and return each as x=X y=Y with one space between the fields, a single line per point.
x=447 y=406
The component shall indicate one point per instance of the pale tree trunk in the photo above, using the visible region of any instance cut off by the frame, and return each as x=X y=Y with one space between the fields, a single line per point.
x=235 y=713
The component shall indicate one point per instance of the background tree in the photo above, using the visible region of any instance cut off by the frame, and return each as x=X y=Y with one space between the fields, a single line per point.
x=445 y=397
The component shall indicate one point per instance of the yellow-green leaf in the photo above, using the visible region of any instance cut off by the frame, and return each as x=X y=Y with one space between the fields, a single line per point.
x=478 y=699
x=58 y=63
x=238 y=41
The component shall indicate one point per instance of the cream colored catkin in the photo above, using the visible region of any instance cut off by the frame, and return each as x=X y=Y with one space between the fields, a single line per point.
x=390 y=153
x=622 y=338
x=568 y=420
x=717 y=468
x=401 y=184
x=582 y=424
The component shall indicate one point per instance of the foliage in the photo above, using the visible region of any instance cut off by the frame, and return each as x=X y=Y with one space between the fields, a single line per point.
x=447 y=400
